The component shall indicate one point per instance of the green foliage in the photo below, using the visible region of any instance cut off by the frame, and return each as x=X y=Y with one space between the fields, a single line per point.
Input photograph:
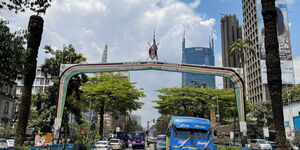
x=39 y=6
x=22 y=148
x=161 y=124
x=262 y=117
x=241 y=46
x=189 y=101
x=45 y=103
x=221 y=147
x=12 y=53
x=296 y=141
x=119 y=94
x=291 y=93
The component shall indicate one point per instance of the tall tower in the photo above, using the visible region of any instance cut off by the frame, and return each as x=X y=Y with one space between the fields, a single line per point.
x=230 y=32
x=253 y=30
x=104 y=55
x=201 y=56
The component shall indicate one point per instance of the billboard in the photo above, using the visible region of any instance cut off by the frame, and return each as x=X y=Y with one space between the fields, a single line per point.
x=285 y=50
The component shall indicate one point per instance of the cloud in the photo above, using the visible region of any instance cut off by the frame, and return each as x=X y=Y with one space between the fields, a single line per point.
x=296 y=62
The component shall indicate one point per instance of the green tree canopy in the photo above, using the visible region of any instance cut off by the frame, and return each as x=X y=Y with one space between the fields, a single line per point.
x=39 y=6
x=12 y=53
x=189 y=101
x=43 y=120
x=291 y=93
x=112 y=94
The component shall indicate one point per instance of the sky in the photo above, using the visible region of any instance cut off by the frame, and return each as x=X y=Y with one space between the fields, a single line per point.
x=127 y=26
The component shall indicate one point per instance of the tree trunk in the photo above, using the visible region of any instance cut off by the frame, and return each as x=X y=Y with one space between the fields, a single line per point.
x=35 y=30
x=273 y=69
x=101 y=119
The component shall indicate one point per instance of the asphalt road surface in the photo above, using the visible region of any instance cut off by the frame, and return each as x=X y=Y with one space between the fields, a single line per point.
x=151 y=147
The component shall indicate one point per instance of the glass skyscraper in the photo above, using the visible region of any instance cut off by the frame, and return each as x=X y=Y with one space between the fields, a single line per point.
x=199 y=56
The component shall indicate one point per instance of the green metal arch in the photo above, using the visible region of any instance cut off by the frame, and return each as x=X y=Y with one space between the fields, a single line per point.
x=70 y=70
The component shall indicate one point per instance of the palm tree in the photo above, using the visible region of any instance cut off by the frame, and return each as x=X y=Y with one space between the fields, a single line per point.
x=242 y=47
x=273 y=69
x=35 y=30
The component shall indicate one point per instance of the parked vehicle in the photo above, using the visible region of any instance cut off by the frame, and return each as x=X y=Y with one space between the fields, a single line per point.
x=273 y=144
x=3 y=143
x=138 y=140
x=260 y=144
x=10 y=142
x=189 y=133
x=152 y=140
x=102 y=145
x=116 y=144
x=123 y=136
x=160 y=145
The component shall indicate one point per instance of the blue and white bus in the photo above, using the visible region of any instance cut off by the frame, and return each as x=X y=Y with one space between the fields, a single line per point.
x=189 y=133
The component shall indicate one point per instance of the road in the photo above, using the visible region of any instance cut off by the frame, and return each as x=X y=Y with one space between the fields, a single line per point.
x=151 y=147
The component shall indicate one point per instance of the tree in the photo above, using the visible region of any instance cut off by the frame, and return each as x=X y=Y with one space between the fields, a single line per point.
x=111 y=94
x=35 y=30
x=262 y=117
x=189 y=101
x=38 y=6
x=11 y=54
x=291 y=94
x=161 y=124
x=48 y=100
x=242 y=47
x=269 y=14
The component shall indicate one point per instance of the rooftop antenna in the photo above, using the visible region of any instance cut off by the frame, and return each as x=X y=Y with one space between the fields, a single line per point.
x=104 y=55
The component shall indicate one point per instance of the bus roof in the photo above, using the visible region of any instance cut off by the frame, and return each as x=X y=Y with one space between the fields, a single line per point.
x=190 y=122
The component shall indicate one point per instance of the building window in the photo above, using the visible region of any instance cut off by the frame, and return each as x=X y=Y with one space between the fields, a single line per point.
x=6 y=108
x=41 y=81
x=47 y=81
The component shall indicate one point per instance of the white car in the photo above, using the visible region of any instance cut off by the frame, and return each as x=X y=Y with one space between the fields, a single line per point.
x=116 y=144
x=260 y=144
x=102 y=145
x=3 y=143
x=10 y=142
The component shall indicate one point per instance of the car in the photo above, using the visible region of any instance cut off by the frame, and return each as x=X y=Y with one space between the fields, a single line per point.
x=102 y=145
x=273 y=144
x=160 y=145
x=116 y=144
x=10 y=142
x=260 y=144
x=3 y=143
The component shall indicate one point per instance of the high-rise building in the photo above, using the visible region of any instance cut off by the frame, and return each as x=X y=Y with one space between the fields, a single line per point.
x=199 y=56
x=40 y=84
x=255 y=66
x=138 y=119
x=230 y=32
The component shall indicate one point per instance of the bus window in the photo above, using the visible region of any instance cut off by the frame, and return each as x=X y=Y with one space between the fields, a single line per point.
x=182 y=134
x=201 y=134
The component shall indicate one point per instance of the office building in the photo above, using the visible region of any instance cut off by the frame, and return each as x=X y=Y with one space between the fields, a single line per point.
x=199 y=56
x=138 y=119
x=7 y=105
x=255 y=66
x=230 y=32
x=40 y=84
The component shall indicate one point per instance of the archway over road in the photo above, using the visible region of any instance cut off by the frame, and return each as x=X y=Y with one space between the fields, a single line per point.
x=69 y=70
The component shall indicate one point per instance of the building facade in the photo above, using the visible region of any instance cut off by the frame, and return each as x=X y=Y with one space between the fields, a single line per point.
x=230 y=32
x=255 y=66
x=199 y=56
x=7 y=105
x=40 y=84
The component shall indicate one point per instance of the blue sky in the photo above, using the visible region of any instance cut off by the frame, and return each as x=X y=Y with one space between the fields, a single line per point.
x=127 y=26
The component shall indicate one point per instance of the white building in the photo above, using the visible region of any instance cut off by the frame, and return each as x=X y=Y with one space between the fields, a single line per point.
x=40 y=84
x=291 y=114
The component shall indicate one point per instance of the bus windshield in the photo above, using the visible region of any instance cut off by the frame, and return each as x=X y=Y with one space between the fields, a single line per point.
x=195 y=134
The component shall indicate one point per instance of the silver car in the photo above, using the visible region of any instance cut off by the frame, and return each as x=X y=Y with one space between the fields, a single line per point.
x=260 y=144
x=102 y=145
